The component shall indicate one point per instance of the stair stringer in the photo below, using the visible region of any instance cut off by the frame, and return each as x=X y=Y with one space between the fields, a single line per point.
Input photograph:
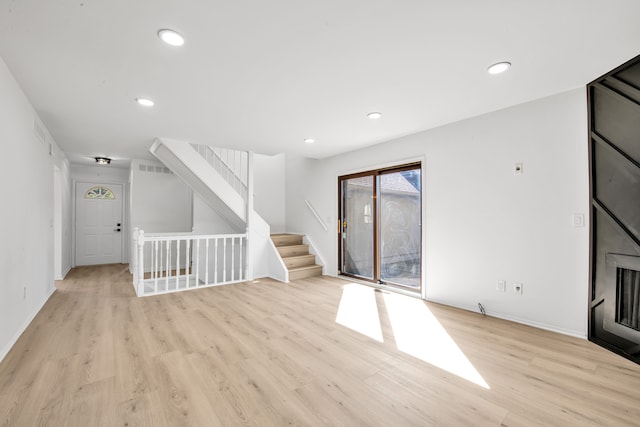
x=184 y=161
x=202 y=178
x=267 y=261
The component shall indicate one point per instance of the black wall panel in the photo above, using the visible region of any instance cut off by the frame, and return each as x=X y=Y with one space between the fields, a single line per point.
x=614 y=129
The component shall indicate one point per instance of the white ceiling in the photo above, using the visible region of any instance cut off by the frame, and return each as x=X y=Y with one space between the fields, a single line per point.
x=264 y=75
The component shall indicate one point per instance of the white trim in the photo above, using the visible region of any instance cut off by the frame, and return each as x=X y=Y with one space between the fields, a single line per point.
x=315 y=213
x=538 y=325
x=64 y=273
x=18 y=334
x=276 y=255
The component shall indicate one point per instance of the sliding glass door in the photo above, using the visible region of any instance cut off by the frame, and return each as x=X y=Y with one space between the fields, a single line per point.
x=380 y=226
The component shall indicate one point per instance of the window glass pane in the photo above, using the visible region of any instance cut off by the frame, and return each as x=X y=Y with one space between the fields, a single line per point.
x=400 y=219
x=357 y=231
x=99 y=192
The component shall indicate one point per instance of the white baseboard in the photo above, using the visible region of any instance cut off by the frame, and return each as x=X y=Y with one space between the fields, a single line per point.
x=66 y=271
x=11 y=343
x=527 y=322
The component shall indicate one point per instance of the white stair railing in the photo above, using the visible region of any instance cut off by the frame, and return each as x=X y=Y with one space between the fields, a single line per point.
x=232 y=165
x=169 y=262
x=315 y=214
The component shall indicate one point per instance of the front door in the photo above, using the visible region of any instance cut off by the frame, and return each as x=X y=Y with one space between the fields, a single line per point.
x=98 y=223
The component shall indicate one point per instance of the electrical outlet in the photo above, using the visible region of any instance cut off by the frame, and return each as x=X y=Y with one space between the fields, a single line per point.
x=501 y=286
x=518 y=288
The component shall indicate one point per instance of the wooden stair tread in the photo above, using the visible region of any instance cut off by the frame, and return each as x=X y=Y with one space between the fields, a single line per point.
x=292 y=257
x=284 y=240
x=306 y=267
x=295 y=254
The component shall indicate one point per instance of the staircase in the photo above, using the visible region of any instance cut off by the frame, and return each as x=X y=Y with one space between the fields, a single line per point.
x=224 y=180
x=295 y=254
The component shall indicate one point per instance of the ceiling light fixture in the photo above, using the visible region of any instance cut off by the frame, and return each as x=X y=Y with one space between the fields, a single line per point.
x=171 y=37
x=499 y=67
x=145 y=101
x=102 y=160
x=374 y=115
x=309 y=140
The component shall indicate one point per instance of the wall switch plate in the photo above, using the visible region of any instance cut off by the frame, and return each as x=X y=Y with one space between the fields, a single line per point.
x=578 y=220
x=518 y=288
x=501 y=286
x=517 y=168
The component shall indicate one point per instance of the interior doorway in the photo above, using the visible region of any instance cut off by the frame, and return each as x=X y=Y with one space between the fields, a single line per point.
x=99 y=225
x=380 y=232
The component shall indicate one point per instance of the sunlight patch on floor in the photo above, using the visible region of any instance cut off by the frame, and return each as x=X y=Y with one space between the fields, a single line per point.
x=418 y=333
x=416 y=330
x=358 y=311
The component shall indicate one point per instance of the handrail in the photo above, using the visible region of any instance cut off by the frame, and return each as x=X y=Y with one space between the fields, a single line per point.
x=227 y=167
x=175 y=236
x=313 y=211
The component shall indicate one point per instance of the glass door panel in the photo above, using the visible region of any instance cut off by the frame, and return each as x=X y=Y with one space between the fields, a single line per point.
x=358 y=226
x=400 y=215
x=380 y=226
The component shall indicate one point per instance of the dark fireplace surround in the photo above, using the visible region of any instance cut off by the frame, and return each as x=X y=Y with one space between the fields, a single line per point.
x=614 y=154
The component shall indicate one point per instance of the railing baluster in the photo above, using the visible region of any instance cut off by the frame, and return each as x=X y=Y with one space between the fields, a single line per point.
x=187 y=267
x=155 y=266
x=177 y=264
x=206 y=274
x=233 y=265
x=166 y=270
x=197 y=262
x=224 y=259
x=140 y=284
x=215 y=263
x=240 y=266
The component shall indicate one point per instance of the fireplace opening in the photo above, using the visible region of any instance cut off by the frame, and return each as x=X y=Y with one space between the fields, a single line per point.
x=628 y=297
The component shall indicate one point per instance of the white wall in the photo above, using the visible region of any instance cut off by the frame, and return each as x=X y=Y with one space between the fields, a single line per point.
x=26 y=180
x=482 y=223
x=208 y=221
x=160 y=202
x=269 y=190
x=106 y=174
x=63 y=216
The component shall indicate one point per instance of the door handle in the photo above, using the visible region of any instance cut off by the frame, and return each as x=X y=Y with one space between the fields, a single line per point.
x=116 y=229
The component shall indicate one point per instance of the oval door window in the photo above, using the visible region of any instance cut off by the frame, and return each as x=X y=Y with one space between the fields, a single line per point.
x=99 y=192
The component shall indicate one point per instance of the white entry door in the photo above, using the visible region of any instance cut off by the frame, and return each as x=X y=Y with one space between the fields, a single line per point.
x=99 y=226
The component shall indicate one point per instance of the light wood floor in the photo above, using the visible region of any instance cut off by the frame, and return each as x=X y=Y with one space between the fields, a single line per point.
x=272 y=354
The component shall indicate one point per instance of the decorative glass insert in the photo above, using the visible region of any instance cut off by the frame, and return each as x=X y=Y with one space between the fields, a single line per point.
x=629 y=298
x=99 y=192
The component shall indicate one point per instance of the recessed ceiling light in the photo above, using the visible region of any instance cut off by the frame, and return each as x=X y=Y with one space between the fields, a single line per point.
x=171 y=37
x=102 y=160
x=499 y=67
x=374 y=115
x=145 y=101
x=309 y=140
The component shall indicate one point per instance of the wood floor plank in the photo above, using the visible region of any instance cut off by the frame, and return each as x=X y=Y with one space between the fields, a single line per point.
x=271 y=354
